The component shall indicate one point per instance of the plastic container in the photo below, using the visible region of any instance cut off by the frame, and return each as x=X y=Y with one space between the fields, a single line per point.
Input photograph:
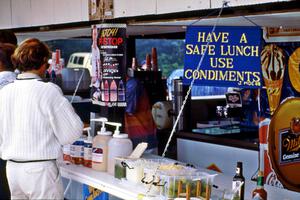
x=100 y=147
x=66 y=153
x=76 y=151
x=132 y=167
x=119 y=146
x=87 y=149
x=197 y=185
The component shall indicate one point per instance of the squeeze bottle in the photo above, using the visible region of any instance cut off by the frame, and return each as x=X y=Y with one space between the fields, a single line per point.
x=100 y=146
x=119 y=146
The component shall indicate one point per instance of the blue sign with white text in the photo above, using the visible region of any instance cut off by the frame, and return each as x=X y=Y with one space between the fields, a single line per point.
x=231 y=56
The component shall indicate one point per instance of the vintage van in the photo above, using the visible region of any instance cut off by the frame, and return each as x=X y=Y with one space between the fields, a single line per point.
x=80 y=59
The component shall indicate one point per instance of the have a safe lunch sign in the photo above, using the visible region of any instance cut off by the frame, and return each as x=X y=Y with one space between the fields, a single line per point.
x=232 y=56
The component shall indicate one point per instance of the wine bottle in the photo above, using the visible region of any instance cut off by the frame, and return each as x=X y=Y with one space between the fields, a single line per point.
x=238 y=182
x=259 y=193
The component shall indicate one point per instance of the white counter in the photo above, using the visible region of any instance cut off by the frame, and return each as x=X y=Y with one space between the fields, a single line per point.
x=123 y=190
x=103 y=181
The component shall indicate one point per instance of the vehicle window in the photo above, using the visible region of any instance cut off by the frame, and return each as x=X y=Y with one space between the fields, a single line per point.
x=75 y=61
x=71 y=59
x=80 y=60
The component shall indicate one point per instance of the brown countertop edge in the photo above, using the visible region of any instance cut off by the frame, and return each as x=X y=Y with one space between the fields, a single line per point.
x=218 y=140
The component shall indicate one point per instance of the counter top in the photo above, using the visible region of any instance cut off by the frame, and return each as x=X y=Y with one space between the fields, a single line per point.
x=234 y=140
x=123 y=190
x=103 y=181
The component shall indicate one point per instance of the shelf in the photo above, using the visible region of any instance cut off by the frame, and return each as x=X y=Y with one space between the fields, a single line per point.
x=104 y=182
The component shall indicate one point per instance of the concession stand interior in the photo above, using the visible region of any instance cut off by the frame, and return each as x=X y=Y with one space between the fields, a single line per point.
x=243 y=62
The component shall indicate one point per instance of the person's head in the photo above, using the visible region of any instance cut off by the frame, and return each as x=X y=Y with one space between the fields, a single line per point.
x=7 y=36
x=6 y=51
x=31 y=55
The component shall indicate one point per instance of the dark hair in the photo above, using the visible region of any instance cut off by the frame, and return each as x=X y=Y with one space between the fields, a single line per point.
x=6 y=51
x=7 y=36
x=31 y=54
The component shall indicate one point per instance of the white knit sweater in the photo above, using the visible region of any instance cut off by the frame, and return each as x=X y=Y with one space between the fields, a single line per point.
x=35 y=120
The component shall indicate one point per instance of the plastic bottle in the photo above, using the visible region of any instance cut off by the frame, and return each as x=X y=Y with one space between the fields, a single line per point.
x=106 y=91
x=119 y=146
x=66 y=153
x=113 y=91
x=76 y=151
x=87 y=149
x=102 y=91
x=121 y=91
x=154 y=59
x=100 y=147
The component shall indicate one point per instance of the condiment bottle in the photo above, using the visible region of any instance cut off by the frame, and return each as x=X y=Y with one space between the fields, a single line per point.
x=87 y=150
x=100 y=146
x=66 y=153
x=260 y=193
x=119 y=146
x=238 y=182
x=76 y=151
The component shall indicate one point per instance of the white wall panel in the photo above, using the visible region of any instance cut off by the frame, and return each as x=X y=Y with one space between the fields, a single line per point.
x=5 y=14
x=42 y=12
x=66 y=11
x=21 y=13
x=84 y=10
x=167 y=6
x=233 y=3
x=224 y=157
x=125 y=8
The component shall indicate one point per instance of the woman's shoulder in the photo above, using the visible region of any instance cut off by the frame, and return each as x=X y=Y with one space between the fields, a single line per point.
x=51 y=88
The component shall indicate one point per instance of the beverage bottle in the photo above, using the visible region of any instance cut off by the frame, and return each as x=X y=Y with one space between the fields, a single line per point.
x=259 y=193
x=113 y=91
x=106 y=91
x=95 y=58
x=121 y=91
x=148 y=62
x=53 y=67
x=154 y=59
x=134 y=64
x=238 y=182
x=100 y=147
x=102 y=91
x=57 y=60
